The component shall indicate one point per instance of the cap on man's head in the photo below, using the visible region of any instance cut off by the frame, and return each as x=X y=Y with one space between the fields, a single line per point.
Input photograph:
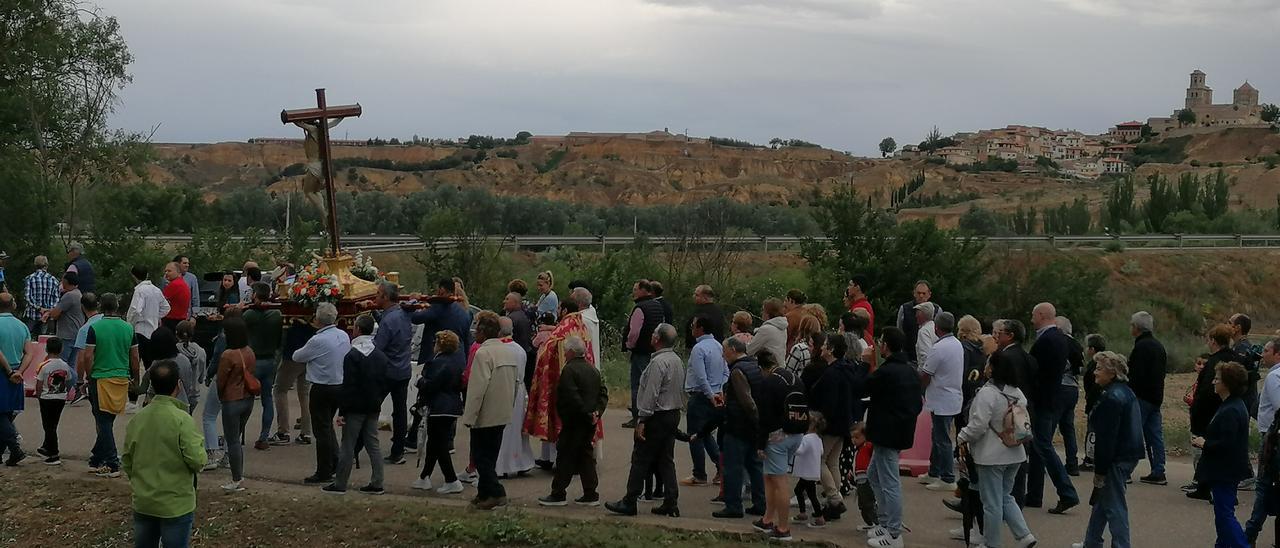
x=927 y=308
x=3 y=255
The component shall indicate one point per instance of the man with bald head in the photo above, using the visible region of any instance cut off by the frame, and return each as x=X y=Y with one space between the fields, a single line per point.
x=1051 y=351
x=521 y=323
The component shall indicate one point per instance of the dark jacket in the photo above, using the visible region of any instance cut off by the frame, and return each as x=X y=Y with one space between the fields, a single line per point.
x=975 y=362
x=653 y=314
x=896 y=401
x=810 y=374
x=1117 y=423
x=1091 y=389
x=1206 y=402
x=1148 y=364
x=838 y=394
x=440 y=386
x=443 y=313
x=740 y=420
x=771 y=401
x=710 y=311
x=364 y=382
x=1225 y=457
x=909 y=326
x=1022 y=362
x=521 y=329
x=1075 y=356
x=1051 y=351
x=668 y=311
x=580 y=393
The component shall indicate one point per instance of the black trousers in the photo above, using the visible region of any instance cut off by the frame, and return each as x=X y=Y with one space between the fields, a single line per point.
x=575 y=456
x=808 y=490
x=399 y=391
x=486 y=444
x=439 y=437
x=324 y=406
x=50 y=414
x=657 y=449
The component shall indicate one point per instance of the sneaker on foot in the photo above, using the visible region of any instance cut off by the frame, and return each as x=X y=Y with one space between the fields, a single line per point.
x=451 y=488
x=211 y=464
x=553 y=500
x=926 y=479
x=779 y=535
x=422 y=484
x=261 y=445
x=53 y=461
x=467 y=477
x=107 y=472
x=332 y=489
x=800 y=518
x=760 y=526
x=317 y=480
x=371 y=490
x=817 y=523
x=1025 y=542
x=279 y=438
x=877 y=531
x=693 y=481
x=233 y=487
x=303 y=440
x=1154 y=479
x=43 y=452
x=16 y=458
x=587 y=500
x=887 y=541
x=941 y=486
x=395 y=459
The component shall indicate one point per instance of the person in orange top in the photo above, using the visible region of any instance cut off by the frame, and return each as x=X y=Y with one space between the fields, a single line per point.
x=178 y=295
x=856 y=297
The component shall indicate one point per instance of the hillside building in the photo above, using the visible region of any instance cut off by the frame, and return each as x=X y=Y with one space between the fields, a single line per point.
x=1245 y=109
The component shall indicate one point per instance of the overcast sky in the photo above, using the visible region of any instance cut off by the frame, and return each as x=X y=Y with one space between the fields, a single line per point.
x=842 y=73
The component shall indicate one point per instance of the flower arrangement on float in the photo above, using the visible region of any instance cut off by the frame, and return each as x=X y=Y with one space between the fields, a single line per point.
x=362 y=267
x=314 y=285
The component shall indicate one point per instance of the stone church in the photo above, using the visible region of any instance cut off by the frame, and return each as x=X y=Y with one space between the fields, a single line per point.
x=1243 y=110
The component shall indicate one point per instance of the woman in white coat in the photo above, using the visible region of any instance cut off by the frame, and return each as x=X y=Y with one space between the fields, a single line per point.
x=997 y=462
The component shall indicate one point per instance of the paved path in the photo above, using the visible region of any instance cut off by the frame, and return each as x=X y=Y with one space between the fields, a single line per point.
x=1160 y=516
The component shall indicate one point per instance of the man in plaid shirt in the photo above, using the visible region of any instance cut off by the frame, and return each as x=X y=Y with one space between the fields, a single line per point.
x=42 y=292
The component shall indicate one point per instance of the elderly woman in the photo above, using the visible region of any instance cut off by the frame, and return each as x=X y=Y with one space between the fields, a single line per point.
x=741 y=326
x=1224 y=459
x=997 y=463
x=1117 y=421
x=440 y=397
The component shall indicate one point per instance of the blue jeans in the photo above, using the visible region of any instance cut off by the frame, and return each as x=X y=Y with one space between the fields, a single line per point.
x=1153 y=434
x=1068 y=397
x=883 y=476
x=104 y=447
x=942 y=461
x=209 y=417
x=703 y=418
x=739 y=457
x=1258 y=517
x=995 y=487
x=1043 y=423
x=1111 y=510
x=638 y=363
x=8 y=434
x=69 y=354
x=151 y=532
x=1230 y=534
x=265 y=370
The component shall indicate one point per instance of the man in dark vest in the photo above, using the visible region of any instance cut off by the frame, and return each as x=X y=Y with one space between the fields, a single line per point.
x=636 y=336
x=81 y=266
x=741 y=424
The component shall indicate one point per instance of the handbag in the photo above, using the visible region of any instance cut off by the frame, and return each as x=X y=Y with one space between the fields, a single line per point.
x=251 y=383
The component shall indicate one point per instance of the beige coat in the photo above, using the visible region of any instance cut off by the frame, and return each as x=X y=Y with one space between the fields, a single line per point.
x=491 y=389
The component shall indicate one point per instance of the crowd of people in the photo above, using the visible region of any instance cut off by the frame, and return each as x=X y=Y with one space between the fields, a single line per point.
x=789 y=413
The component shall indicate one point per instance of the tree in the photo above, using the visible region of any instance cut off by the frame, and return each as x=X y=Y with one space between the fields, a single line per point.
x=1216 y=195
x=887 y=146
x=63 y=65
x=931 y=140
x=775 y=142
x=1162 y=202
x=980 y=221
x=1270 y=112
x=522 y=138
x=1119 y=206
x=1186 y=117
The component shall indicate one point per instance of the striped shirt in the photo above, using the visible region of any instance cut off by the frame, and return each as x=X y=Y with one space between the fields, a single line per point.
x=42 y=291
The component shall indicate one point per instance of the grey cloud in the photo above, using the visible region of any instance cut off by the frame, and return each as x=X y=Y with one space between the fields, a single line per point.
x=1172 y=10
x=839 y=9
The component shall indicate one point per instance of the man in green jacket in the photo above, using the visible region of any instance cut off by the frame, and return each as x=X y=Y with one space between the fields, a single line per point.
x=163 y=452
x=581 y=398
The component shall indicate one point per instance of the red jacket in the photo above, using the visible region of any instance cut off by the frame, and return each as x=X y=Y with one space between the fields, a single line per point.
x=179 y=297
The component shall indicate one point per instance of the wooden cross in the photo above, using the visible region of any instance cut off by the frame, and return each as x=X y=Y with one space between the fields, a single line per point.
x=320 y=117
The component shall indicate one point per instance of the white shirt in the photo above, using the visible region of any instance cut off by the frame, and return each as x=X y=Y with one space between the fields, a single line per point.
x=808 y=464
x=924 y=341
x=246 y=292
x=946 y=365
x=1269 y=399
x=593 y=326
x=146 y=308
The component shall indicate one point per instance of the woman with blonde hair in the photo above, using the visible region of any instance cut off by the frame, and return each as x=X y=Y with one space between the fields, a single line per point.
x=799 y=355
x=548 y=302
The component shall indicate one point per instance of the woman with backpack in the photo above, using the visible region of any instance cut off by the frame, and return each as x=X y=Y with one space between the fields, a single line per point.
x=994 y=438
x=784 y=418
x=236 y=388
x=1116 y=421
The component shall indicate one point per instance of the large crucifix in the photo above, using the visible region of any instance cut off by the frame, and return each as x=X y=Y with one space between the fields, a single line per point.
x=316 y=122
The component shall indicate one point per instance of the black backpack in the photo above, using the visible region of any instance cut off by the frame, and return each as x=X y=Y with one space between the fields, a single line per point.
x=795 y=405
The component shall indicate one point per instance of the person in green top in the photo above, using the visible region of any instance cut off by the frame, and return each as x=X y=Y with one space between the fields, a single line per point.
x=111 y=361
x=163 y=452
x=266 y=329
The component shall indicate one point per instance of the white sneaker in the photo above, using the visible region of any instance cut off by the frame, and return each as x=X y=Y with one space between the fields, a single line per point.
x=467 y=477
x=940 y=486
x=865 y=528
x=1025 y=542
x=926 y=479
x=423 y=484
x=450 y=488
x=887 y=542
x=1077 y=545
x=233 y=487
x=877 y=531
